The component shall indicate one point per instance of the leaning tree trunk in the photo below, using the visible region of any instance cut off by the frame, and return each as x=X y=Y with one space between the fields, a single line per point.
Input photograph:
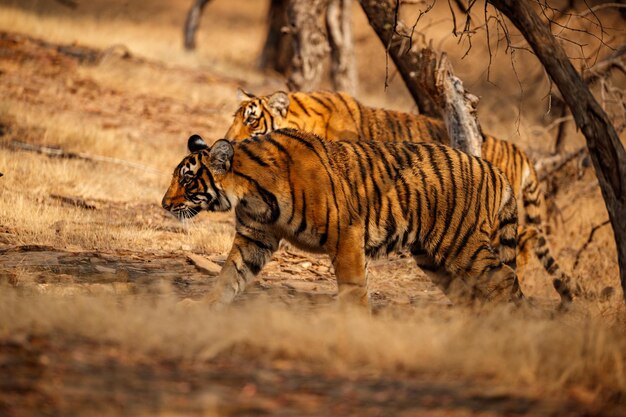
x=277 y=50
x=191 y=23
x=342 y=64
x=431 y=82
x=606 y=151
x=310 y=45
x=416 y=65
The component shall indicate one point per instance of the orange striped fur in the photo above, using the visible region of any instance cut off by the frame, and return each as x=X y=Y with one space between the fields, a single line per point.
x=355 y=200
x=336 y=116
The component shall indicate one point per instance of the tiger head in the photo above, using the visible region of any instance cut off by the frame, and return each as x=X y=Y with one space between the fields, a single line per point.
x=197 y=183
x=259 y=115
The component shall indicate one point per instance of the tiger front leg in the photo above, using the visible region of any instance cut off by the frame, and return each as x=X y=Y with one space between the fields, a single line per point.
x=348 y=257
x=249 y=253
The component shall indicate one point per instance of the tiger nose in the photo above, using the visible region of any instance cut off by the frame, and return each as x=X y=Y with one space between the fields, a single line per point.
x=166 y=203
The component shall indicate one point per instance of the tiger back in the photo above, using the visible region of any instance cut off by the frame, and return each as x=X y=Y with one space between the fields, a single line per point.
x=354 y=200
x=338 y=116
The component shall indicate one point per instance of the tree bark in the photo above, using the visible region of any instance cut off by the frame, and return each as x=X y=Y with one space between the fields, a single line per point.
x=431 y=82
x=459 y=110
x=191 y=23
x=309 y=43
x=416 y=65
x=607 y=152
x=342 y=64
x=277 y=50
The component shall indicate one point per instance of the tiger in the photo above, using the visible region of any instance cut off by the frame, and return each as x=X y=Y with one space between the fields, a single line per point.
x=354 y=200
x=334 y=116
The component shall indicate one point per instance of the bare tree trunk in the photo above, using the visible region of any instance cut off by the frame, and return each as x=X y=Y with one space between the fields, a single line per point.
x=310 y=44
x=416 y=65
x=191 y=23
x=606 y=151
x=431 y=82
x=278 y=50
x=342 y=64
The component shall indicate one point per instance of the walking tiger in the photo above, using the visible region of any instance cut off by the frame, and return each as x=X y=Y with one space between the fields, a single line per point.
x=354 y=200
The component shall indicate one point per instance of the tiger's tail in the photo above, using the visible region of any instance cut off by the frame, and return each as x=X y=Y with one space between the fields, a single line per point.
x=533 y=237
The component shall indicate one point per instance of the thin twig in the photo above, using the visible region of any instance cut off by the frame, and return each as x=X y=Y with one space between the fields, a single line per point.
x=60 y=153
x=594 y=229
x=557 y=162
x=602 y=6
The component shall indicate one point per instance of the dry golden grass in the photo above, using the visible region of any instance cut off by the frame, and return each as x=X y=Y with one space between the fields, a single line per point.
x=510 y=347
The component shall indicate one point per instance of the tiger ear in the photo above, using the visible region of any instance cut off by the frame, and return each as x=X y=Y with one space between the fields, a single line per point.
x=221 y=157
x=196 y=143
x=279 y=103
x=244 y=95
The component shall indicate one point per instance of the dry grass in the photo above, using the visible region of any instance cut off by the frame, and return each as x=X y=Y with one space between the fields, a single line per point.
x=513 y=348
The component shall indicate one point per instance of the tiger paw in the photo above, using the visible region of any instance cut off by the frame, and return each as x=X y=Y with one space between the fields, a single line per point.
x=187 y=304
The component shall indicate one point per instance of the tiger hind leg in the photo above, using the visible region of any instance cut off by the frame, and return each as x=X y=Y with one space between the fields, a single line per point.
x=526 y=239
x=495 y=275
x=454 y=288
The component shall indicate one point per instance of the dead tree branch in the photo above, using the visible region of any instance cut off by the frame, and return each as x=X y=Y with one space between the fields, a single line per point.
x=548 y=166
x=459 y=110
x=415 y=64
x=605 y=149
x=594 y=229
x=603 y=68
x=60 y=153
x=598 y=73
x=602 y=6
x=431 y=81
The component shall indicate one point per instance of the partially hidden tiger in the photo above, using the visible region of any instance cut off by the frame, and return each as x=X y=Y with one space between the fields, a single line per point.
x=354 y=200
x=338 y=116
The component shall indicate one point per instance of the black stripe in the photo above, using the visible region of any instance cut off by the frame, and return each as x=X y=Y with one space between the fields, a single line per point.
x=302 y=226
x=507 y=221
x=279 y=146
x=239 y=271
x=511 y=243
x=345 y=103
x=299 y=103
x=292 y=192
x=258 y=243
x=447 y=229
x=390 y=124
x=326 y=106
x=324 y=236
x=252 y=156
x=361 y=127
x=267 y=197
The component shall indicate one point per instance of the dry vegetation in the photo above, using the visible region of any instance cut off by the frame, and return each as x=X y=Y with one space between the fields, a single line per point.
x=91 y=268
